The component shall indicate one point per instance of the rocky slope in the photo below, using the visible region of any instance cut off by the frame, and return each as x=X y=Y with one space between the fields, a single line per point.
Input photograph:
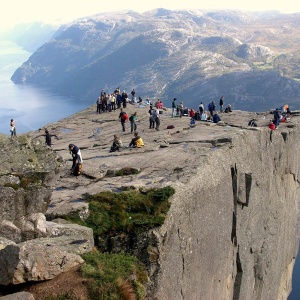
x=231 y=232
x=252 y=59
x=32 y=249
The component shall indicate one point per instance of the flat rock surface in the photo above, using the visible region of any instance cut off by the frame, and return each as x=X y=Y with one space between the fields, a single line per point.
x=167 y=157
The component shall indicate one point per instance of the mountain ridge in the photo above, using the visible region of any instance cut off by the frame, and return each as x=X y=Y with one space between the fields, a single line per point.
x=165 y=54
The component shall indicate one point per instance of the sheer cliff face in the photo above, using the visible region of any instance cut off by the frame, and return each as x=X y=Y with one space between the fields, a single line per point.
x=232 y=228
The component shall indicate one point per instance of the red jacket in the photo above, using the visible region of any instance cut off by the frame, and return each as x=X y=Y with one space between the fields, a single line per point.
x=272 y=126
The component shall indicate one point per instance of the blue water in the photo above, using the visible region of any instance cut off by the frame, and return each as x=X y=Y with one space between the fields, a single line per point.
x=295 y=294
x=29 y=106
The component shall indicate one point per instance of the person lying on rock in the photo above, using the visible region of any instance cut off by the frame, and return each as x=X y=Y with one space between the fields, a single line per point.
x=77 y=159
x=117 y=144
x=136 y=141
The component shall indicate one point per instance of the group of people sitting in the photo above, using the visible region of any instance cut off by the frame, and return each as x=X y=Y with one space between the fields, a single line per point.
x=136 y=142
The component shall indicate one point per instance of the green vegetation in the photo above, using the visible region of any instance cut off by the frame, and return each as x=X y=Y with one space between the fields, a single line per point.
x=127 y=171
x=15 y=186
x=120 y=276
x=126 y=212
x=114 y=276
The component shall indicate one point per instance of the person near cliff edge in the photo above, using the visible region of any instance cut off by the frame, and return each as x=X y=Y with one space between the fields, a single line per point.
x=47 y=138
x=13 y=131
x=77 y=159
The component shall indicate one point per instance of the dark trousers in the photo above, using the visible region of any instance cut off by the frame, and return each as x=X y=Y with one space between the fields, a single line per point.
x=123 y=125
x=133 y=126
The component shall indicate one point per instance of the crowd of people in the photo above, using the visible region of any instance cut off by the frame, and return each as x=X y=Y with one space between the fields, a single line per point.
x=108 y=102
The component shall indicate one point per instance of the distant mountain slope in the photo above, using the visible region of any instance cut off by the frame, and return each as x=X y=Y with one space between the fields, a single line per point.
x=251 y=59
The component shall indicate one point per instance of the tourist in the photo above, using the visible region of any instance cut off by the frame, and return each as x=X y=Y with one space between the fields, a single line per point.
x=156 y=118
x=133 y=120
x=221 y=103
x=47 y=138
x=13 y=131
x=216 y=118
x=272 y=125
x=116 y=145
x=151 y=117
x=211 y=108
x=136 y=141
x=173 y=107
x=77 y=159
x=123 y=118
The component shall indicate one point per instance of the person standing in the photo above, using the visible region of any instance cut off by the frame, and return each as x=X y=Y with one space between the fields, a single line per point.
x=47 y=138
x=123 y=117
x=99 y=104
x=133 y=95
x=156 y=118
x=276 y=118
x=201 y=108
x=77 y=159
x=211 y=108
x=151 y=118
x=13 y=131
x=124 y=99
x=133 y=119
x=221 y=103
x=173 y=107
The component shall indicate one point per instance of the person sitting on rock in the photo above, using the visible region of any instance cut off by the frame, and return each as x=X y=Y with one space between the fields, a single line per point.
x=216 y=118
x=136 y=141
x=228 y=109
x=192 y=122
x=117 y=144
x=203 y=116
x=252 y=123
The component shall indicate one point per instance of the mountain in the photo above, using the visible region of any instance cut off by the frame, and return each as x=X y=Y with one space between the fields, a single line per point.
x=250 y=58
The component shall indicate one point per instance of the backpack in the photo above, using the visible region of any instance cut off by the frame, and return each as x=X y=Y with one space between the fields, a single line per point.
x=124 y=116
x=131 y=118
x=210 y=106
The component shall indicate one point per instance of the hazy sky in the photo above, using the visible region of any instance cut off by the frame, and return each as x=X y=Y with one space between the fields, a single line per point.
x=16 y=11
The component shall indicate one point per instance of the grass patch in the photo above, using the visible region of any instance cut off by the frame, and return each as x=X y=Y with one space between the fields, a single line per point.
x=127 y=171
x=114 y=276
x=125 y=212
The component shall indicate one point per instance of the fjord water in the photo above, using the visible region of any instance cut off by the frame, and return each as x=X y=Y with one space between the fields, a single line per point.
x=30 y=106
x=295 y=294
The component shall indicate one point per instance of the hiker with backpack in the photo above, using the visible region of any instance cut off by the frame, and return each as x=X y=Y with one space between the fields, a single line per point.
x=123 y=117
x=133 y=120
x=77 y=159
x=211 y=108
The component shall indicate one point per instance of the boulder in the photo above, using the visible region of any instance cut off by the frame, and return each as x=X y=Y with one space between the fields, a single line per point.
x=34 y=261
